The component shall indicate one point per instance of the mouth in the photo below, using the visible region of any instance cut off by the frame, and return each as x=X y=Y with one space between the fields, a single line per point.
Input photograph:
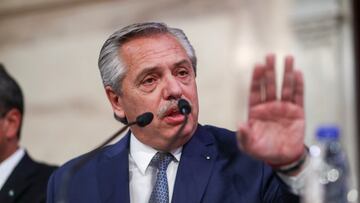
x=172 y=112
x=173 y=116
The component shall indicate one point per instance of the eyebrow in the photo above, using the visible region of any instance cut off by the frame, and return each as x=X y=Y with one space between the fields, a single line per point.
x=183 y=62
x=148 y=70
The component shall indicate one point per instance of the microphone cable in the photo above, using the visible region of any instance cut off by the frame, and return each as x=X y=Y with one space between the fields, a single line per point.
x=142 y=121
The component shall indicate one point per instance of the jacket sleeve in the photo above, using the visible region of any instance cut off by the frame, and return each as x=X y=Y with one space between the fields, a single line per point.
x=274 y=190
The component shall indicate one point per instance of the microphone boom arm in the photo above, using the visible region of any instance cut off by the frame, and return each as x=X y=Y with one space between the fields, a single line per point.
x=142 y=120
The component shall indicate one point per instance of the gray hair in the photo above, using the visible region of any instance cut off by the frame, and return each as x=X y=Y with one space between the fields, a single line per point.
x=113 y=69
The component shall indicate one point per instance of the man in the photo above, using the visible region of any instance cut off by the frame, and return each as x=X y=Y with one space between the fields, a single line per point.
x=22 y=180
x=148 y=67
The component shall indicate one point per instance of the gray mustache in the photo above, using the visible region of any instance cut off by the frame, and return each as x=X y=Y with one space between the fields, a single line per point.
x=166 y=107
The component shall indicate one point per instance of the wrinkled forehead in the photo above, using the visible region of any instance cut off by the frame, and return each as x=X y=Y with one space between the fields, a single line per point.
x=152 y=49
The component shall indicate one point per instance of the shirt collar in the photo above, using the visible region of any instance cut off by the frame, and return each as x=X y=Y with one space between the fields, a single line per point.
x=142 y=154
x=8 y=165
x=14 y=158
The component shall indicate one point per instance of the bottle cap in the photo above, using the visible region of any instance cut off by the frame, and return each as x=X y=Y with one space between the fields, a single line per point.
x=329 y=132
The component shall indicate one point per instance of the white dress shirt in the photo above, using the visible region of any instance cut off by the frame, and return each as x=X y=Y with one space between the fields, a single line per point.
x=8 y=165
x=142 y=175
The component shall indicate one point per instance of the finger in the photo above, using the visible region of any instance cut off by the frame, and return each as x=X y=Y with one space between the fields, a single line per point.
x=299 y=89
x=270 y=78
x=256 y=90
x=288 y=82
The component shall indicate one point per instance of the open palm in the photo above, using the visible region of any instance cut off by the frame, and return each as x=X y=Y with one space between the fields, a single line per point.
x=274 y=131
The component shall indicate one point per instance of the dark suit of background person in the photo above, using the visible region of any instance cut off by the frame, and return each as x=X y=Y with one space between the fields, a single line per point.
x=159 y=69
x=27 y=179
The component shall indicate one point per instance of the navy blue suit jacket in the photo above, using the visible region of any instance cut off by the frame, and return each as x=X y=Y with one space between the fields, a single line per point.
x=27 y=182
x=211 y=169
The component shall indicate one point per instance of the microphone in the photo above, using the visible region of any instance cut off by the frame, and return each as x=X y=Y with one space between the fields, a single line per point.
x=185 y=109
x=142 y=121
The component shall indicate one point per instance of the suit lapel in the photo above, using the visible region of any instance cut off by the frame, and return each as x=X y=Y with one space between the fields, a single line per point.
x=113 y=172
x=18 y=180
x=195 y=167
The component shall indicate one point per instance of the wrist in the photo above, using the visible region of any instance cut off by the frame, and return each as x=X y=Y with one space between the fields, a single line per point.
x=294 y=166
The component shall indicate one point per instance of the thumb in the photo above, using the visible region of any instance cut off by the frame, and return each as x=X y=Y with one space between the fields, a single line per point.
x=243 y=135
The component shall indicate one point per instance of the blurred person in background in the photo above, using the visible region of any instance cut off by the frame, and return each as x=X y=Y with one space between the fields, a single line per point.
x=149 y=67
x=22 y=180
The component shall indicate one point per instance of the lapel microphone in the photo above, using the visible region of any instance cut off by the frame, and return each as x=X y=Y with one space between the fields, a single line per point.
x=142 y=121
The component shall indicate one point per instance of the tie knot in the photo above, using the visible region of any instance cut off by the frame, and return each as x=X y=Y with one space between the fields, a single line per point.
x=161 y=160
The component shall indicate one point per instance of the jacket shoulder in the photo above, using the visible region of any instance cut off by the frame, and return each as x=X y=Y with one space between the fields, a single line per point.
x=81 y=169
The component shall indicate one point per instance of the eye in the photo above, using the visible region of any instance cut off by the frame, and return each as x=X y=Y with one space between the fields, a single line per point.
x=148 y=81
x=182 y=72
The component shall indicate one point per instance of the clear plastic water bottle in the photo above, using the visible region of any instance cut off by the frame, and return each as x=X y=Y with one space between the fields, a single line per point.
x=336 y=170
x=313 y=191
x=327 y=178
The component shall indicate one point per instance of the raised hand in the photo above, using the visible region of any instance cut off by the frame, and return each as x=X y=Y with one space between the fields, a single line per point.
x=275 y=128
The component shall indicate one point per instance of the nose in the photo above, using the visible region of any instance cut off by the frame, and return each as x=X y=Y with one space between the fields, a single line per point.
x=172 y=88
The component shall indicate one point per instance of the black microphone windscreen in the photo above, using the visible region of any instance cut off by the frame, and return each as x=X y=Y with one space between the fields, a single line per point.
x=144 y=119
x=184 y=106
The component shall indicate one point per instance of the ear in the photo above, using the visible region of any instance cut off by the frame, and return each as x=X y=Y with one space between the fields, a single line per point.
x=116 y=102
x=12 y=122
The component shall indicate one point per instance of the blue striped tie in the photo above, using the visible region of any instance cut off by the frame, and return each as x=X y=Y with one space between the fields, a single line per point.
x=160 y=193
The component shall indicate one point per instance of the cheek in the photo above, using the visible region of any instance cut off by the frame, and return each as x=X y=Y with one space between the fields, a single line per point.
x=2 y=140
x=134 y=106
x=2 y=132
x=194 y=97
